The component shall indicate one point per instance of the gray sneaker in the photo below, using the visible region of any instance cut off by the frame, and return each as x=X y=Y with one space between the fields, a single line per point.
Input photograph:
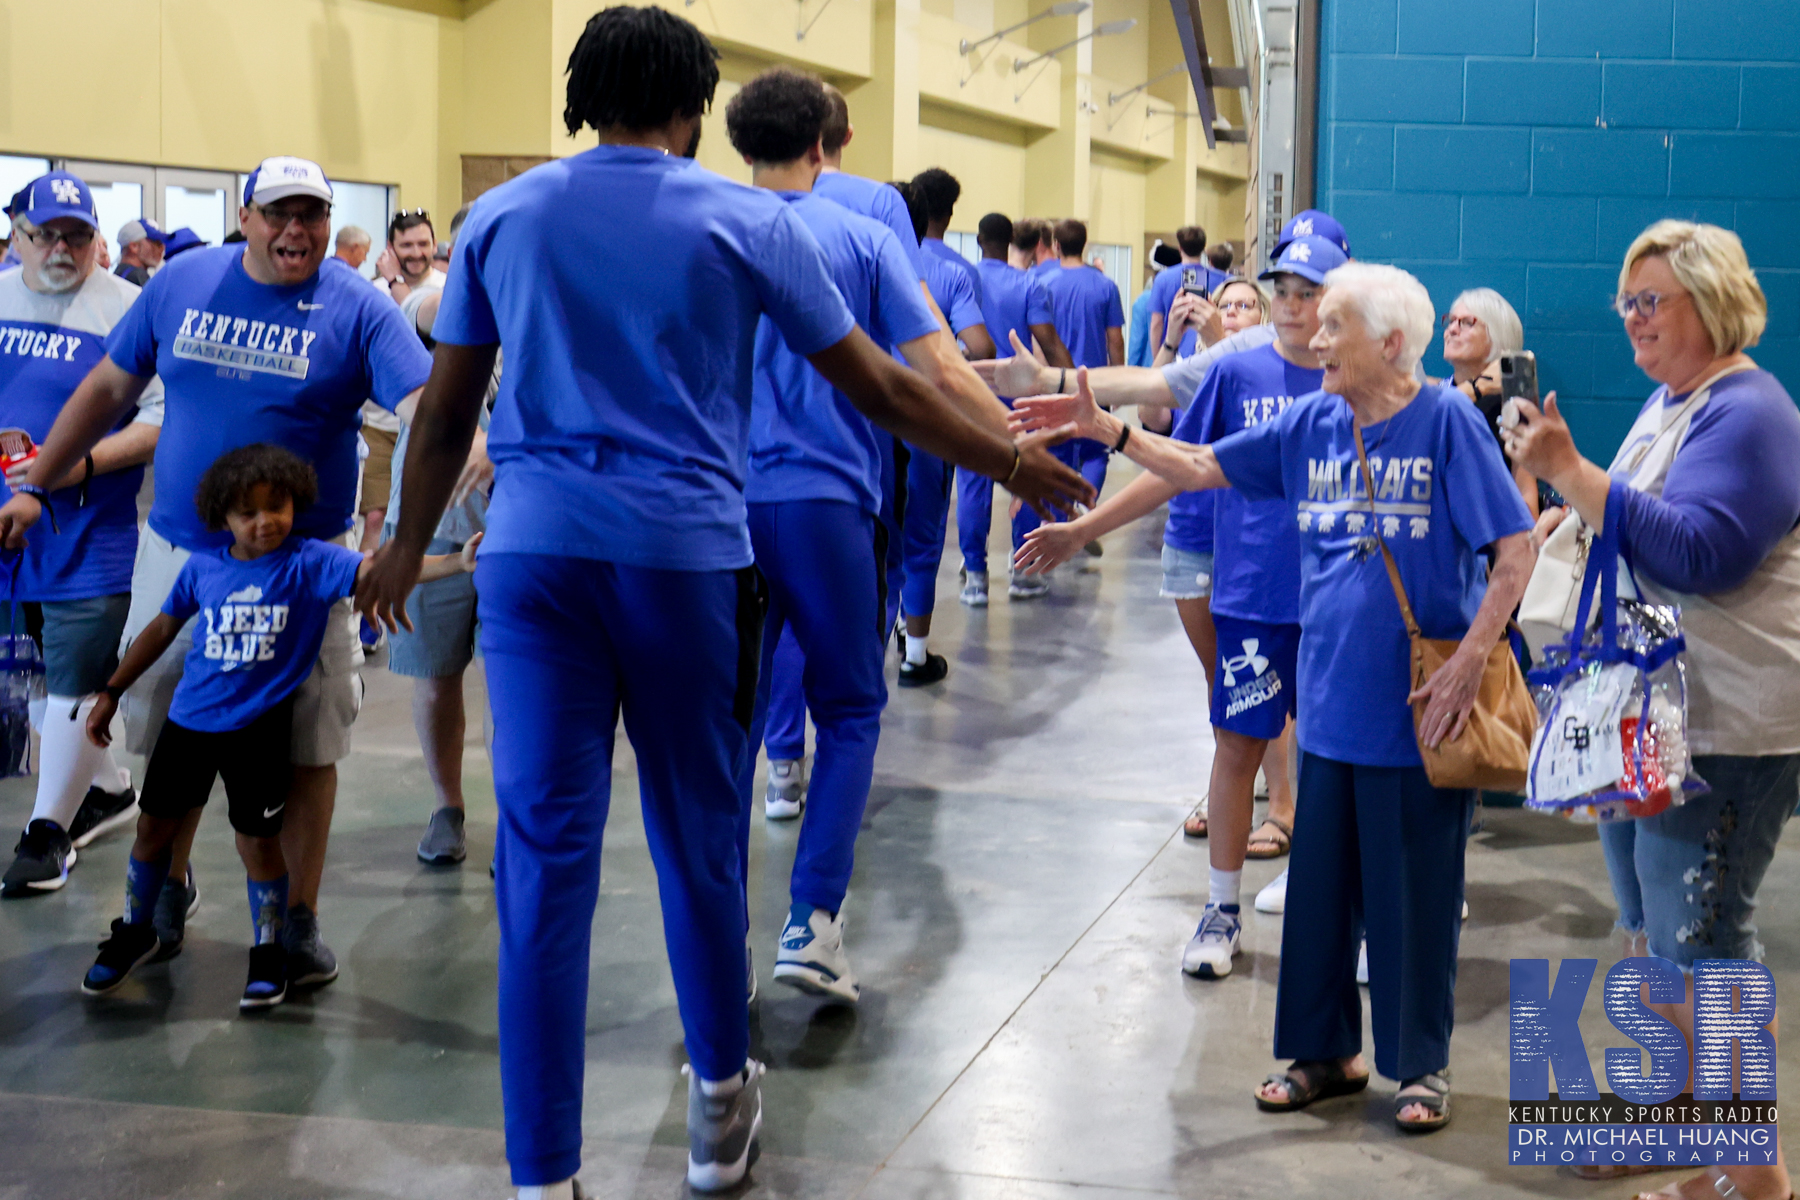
x=723 y=1132
x=310 y=961
x=174 y=905
x=443 y=844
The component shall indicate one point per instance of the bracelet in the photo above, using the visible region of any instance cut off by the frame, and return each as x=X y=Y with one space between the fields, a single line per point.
x=42 y=496
x=1124 y=436
x=1018 y=460
x=113 y=690
x=82 y=497
x=1062 y=380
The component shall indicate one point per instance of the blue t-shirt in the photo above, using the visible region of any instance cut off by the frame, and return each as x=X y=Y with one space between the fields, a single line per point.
x=245 y=362
x=621 y=431
x=1045 y=271
x=1168 y=284
x=1138 y=352
x=1087 y=305
x=877 y=201
x=1256 y=548
x=48 y=344
x=1012 y=299
x=261 y=625
x=937 y=248
x=807 y=441
x=1442 y=494
x=955 y=295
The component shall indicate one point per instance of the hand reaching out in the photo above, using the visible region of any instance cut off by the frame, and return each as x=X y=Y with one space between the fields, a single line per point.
x=1020 y=375
x=1048 y=547
x=1030 y=414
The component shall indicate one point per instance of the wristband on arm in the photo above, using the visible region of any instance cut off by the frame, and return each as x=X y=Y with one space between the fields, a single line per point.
x=42 y=496
x=1124 y=436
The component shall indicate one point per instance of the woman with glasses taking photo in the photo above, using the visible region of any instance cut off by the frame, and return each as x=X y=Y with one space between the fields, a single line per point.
x=1479 y=328
x=1706 y=493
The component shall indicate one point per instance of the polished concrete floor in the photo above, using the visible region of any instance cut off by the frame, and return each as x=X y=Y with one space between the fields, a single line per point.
x=1022 y=894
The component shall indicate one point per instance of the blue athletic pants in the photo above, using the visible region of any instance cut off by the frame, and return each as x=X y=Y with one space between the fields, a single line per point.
x=924 y=522
x=975 y=518
x=1374 y=847
x=572 y=644
x=823 y=562
x=784 y=732
x=1072 y=454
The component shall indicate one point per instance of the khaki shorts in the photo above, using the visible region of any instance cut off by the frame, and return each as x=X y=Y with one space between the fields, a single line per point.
x=377 y=469
x=325 y=704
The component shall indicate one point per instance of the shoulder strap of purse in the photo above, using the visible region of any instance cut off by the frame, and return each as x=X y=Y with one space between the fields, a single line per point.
x=1393 y=569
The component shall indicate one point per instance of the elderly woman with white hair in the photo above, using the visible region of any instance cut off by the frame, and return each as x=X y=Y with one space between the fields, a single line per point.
x=1706 y=493
x=1376 y=847
x=1480 y=327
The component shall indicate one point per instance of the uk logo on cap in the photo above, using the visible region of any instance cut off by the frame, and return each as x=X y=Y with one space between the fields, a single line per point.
x=58 y=194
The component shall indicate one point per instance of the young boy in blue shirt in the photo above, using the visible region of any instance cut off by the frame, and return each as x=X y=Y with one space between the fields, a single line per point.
x=263 y=603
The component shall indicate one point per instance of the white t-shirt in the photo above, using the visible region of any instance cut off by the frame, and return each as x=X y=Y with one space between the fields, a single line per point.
x=375 y=416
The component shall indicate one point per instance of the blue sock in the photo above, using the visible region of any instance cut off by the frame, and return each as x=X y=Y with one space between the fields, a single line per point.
x=143 y=882
x=268 y=908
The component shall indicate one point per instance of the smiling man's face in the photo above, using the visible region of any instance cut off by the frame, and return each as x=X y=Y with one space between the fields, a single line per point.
x=286 y=238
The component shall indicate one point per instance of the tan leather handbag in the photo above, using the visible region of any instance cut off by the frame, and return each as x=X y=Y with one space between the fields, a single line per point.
x=1494 y=749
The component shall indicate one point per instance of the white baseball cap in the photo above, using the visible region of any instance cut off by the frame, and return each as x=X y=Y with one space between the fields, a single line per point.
x=283 y=176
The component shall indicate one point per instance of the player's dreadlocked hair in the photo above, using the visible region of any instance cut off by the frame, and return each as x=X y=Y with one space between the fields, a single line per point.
x=638 y=68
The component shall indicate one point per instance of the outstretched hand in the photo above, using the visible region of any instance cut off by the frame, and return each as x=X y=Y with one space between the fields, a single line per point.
x=1078 y=410
x=1048 y=547
x=1050 y=486
x=384 y=583
x=1015 y=376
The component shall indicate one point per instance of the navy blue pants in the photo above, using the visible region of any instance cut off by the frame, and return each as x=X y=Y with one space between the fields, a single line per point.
x=572 y=644
x=975 y=517
x=923 y=524
x=1374 y=847
x=823 y=561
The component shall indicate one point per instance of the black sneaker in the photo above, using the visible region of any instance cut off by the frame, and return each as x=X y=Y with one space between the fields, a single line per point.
x=310 y=961
x=174 y=905
x=268 y=982
x=41 y=860
x=101 y=812
x=934 y=668
x=129 y=947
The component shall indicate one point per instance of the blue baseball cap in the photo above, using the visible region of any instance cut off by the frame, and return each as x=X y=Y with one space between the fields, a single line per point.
x=1312 y=223
x=58 y=194
x=283 y=176
x=140 y=230
x=182 y=239
x=1307 y=257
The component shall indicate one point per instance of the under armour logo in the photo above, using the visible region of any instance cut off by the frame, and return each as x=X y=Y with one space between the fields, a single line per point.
x=1249 y=660
x=1303 y=227
x=1300 y=252
x=67 y=191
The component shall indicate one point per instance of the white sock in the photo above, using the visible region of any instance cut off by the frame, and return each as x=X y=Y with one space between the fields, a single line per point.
x=724 y=1087
x=1224 y=887
x=915 y=649
x=549 y=1191
x=109 y=776
x=67 y=761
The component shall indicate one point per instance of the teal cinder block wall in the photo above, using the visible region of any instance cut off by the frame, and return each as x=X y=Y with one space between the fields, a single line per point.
x=1522 y=144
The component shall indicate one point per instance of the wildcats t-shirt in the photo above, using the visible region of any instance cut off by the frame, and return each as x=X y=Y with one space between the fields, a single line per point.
x=807 y=441
x=244 y=362
x=48 y=344
x=1170 y=283
x=937 y=248
x=261 y=625
x=1012 y=300
x=1256 y=548
x=621 y=431
x=1087 y=305
x=1441 y=494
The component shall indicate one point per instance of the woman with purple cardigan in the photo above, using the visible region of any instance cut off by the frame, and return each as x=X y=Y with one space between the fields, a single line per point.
x=1708 y=488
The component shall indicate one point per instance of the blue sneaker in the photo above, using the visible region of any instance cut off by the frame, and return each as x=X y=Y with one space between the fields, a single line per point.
x=1215 y=943
x=129 y=947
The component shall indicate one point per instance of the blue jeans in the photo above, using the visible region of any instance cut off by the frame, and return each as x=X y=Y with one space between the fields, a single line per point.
x=1687 y=877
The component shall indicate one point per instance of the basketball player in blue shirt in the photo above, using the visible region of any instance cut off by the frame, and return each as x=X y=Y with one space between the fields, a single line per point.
x=940 y=190
x=617 y=574
x=1192 y=274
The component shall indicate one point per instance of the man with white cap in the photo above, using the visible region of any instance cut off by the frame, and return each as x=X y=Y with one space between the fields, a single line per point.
x=75 y=583
x=253 y=344
x=141 y=245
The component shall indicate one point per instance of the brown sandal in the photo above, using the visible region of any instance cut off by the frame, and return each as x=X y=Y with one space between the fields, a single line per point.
x=1273 y=845
x=1195 y=825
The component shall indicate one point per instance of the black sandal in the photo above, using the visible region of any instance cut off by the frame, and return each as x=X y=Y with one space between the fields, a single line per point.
x=1307 y=1081
x=1436 y=1102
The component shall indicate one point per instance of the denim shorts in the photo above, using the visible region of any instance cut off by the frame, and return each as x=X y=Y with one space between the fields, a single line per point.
x=1687 y=877
x=442 y=641
x=79 y=639
x=1186 y=575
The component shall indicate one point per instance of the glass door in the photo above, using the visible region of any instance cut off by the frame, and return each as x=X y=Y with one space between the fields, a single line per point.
x=204 y=201
x=122 y=193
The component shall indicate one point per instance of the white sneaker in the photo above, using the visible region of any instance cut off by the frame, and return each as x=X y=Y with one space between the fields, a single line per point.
x=811 y=957
x=1028 y=587
x=723 y=1131
x=1273 y=898
x=1362 y=962
x=1261 y=790
x=787 y=789
x=1214 y=944
x=1465 y=910
x=975 y=589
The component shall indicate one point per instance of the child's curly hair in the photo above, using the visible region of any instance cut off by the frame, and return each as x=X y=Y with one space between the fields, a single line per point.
x=235 y=472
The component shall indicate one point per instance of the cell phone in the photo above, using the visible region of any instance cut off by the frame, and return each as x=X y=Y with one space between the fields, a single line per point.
x=1192 y=282
x=1518 y=376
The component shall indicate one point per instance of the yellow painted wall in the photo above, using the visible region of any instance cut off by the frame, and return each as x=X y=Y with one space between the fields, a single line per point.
x=991 y=171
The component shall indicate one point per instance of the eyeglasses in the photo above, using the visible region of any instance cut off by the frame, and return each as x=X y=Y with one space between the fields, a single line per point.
x=1643 y=303
x=1239 y=306
x=1451 y=321
x=281 y=216
x=44 y=237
